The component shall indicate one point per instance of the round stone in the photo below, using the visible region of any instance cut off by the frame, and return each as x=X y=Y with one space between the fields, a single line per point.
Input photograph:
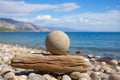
x=75 y=75
x=114 y=62
x=9 y=75
x=66 y=77
x=103 y=63
x=49 y=77
x=57 y=42
x=5 y=59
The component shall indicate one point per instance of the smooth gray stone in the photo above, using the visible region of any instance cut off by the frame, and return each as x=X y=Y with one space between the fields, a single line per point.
x=9 y=75
x=75 y=75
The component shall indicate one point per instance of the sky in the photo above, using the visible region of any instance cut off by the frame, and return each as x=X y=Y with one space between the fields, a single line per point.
x=66 y=15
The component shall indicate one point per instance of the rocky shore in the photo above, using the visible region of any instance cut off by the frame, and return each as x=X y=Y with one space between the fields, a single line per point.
x=103 y=68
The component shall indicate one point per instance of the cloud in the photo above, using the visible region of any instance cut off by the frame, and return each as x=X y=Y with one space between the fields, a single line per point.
x=104 y=21
x=44 y=17
x=65 y=7
x=21 y=8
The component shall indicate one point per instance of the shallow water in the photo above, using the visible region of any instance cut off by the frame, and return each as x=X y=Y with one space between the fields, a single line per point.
x=98 y=43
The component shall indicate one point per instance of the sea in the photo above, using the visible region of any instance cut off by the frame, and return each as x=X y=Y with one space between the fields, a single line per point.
x=105 y=44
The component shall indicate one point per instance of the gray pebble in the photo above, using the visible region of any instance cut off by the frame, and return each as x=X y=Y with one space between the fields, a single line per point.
x=1 y=78
x=75 y=75
x=33 y=76
x=85 y=76
x=104 y=76
x=9 y=75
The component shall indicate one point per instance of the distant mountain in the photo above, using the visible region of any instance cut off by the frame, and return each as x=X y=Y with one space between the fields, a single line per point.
x=10 y=25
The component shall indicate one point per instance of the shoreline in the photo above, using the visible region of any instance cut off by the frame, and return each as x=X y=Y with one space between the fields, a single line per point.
x=21 y=46
x=101 y=70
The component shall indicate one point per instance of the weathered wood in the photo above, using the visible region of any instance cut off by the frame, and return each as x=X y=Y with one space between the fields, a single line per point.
x=54 y=63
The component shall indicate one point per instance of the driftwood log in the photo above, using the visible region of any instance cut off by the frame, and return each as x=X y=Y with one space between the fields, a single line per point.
x=54 y=63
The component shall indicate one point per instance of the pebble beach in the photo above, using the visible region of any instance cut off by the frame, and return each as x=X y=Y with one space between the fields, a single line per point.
x=102 y=69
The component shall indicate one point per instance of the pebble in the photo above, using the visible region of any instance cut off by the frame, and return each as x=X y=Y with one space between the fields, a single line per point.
x=97 y=56
x=1 y=78
x=114 y=62
x=6 y=68
x=8 y=75
x=104 y=76
x=94 y=76
x=22 y=77
x=84 y=76
x=114 y=77
x=107 y=68
x=66 y=77
x=32 y=52
x=33 y=76
x=75 y=75
x=86 y=59
x=5 y=59
x=49 y=77
x=96 y=68
x=103 y=63
x=118 y=68
x=102 y=70
x=84 y=79
x=59 y=77
x=90 y=56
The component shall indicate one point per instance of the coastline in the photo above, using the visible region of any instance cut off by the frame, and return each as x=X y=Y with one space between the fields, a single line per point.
x=101 y=69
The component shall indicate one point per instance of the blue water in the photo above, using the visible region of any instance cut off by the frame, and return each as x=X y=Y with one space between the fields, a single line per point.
x=98 y=43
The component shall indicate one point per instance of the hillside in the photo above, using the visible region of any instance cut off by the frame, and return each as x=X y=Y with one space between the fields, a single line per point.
x=10 y=25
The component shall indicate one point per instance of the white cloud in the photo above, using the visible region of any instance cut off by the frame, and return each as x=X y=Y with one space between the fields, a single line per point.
x=21 y=8
x=107 y=21
x=44 y=17
x=66 y=7
x=83 y=20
